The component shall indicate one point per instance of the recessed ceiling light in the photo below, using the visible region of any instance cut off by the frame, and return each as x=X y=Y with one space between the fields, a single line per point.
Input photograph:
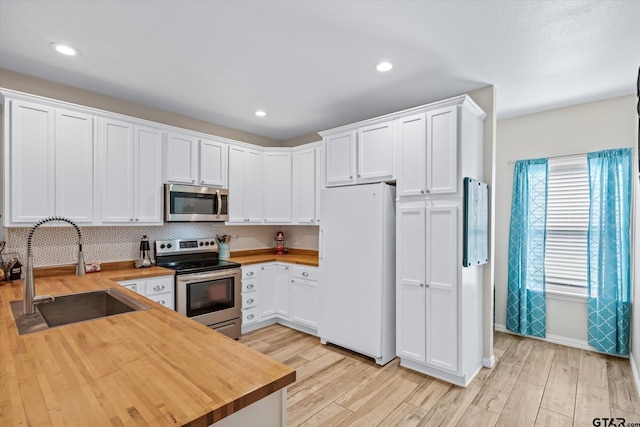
x=261 y=113
x=64 y=49
x=384 y=66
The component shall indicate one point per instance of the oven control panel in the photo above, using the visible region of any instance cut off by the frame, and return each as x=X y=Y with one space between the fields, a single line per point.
x=181 y=246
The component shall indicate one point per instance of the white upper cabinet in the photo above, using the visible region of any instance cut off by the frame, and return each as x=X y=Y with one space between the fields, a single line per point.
x=306 y=179
x=181 y=158
x=213 y=163
x=49 y=163
x=411 y=137
x=277 y=186
x=442 y=150
x=147 y=175
x=376 y=153
x=195 y=161
x=131 y=173
x=438 y=147
x=340 y=151
x=361 y=155
x=245 y=185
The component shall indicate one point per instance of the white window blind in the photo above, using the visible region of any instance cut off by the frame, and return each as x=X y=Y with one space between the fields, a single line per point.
x=567 y=223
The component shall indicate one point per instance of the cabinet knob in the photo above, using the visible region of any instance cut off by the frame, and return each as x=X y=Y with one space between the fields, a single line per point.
x=251 y=316
x=162 y=302
x=359 y=175
x=250 y=286
x=262 y=268
x=158 y=287
x=130 y=219
x=193 y=181
x=422 y=191
x=350 y=176
x=137 y=219
x=250 y=301
x=428 y=191
x=305 y=274
x=250 y=273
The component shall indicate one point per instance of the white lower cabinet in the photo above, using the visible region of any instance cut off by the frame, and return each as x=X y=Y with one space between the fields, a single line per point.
x=439 y=303
x=160 y=289
x=267 y=290
x=304 y=296
x=279 y=292
x=250 y=294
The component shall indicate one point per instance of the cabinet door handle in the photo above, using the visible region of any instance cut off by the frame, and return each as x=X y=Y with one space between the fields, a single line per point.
x=250 y=273
x=130 y=219
x=359 y=175
x=421 y=191
x=305 y=274
x=350 y=176
x=161 y=302
x=428 y=191
x=250 y=301
x=193 y=180
x=158 y=287
x=250 y=286
x=251 y=316
x=137 y=219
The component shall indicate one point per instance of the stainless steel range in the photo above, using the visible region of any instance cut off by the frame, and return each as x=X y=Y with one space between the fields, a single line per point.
x=207 y=288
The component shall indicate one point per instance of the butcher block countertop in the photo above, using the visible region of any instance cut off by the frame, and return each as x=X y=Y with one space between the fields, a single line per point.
x=295 y=256
x=150 y=367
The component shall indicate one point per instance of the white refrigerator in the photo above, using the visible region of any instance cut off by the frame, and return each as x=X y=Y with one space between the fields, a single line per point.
x=357 y=269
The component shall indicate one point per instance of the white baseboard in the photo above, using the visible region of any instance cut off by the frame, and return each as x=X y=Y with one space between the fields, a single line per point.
x=489 y=362
x=636 y=374
x=555 y=339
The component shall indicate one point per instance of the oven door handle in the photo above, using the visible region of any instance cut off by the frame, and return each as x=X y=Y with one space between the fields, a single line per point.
x=188 y=278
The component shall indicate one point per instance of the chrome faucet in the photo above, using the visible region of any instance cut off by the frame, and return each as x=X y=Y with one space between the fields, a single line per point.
x=29 y=297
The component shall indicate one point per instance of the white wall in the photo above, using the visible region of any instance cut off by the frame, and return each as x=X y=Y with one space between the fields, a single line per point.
x=583 y=128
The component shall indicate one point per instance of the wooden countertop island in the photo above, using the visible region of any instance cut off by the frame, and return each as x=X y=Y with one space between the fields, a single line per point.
x=151 y=367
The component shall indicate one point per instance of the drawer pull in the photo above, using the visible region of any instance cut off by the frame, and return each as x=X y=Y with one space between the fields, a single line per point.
x=158 y=287
x=251 y=316
x=249 y=273
x=162 y=302
x=250 y=301
x=305 y=274
x=250 y=286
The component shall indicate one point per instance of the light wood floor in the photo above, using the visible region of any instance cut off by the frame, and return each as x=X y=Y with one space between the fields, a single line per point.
x=533 y=384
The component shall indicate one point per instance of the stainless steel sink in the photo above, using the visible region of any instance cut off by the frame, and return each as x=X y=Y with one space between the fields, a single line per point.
x=73 y=308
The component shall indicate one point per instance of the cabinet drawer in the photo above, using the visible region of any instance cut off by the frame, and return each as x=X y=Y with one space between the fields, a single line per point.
x=250 y=272
x=249 y=316
x=158 y=286
x=165 y=299
x=249 y=300
x=306 y=273
x=130 y=286
x=249 y=285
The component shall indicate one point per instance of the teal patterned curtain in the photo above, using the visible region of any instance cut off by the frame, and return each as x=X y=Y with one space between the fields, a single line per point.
x=526 y=302
x=608 y=252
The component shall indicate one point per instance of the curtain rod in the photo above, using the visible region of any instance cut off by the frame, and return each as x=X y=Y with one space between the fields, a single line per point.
x=512 y=162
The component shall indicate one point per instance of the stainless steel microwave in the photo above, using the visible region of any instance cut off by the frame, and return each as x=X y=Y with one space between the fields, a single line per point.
x=192 y=203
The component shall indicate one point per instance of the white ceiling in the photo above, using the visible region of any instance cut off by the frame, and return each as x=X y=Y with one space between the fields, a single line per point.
x=310 y=64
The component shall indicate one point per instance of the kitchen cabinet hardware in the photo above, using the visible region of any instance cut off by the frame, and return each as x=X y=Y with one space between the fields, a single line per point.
x=250 y=286
x=305 y=274
x=251 y=301
x=251 y=316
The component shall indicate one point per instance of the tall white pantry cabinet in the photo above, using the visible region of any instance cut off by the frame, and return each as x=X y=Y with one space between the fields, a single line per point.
x=438 y=301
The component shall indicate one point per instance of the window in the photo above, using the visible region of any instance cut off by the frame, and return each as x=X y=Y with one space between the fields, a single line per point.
x=567 y=224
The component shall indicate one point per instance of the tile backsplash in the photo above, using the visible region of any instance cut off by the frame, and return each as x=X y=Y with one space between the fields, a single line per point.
x=57 y=245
